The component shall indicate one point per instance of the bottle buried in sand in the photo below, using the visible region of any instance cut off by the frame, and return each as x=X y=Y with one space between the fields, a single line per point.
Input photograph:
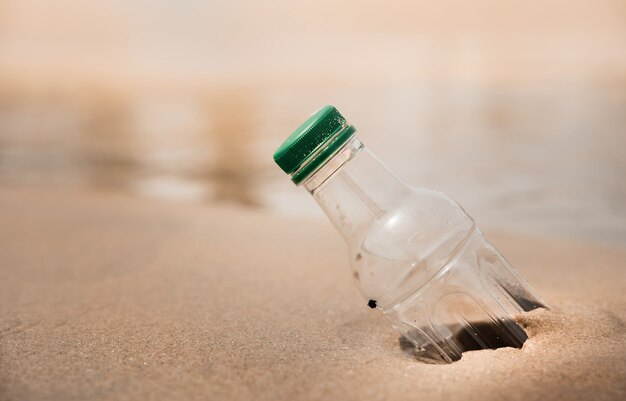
x=415 y=253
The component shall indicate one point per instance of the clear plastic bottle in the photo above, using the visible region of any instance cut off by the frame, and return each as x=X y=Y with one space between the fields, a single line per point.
x=415 y=253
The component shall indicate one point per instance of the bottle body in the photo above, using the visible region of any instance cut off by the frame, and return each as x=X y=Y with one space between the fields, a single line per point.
x=418 y=256
x=468 y=304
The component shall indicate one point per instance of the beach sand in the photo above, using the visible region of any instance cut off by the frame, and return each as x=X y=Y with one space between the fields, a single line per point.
x=108 y=297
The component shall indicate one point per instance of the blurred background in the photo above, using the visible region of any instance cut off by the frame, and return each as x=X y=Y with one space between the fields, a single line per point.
x=517 y=109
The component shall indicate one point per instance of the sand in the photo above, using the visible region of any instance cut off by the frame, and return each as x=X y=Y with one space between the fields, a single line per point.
x=112 y=298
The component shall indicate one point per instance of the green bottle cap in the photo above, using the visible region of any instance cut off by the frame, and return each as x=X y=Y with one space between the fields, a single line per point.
x=313 y=142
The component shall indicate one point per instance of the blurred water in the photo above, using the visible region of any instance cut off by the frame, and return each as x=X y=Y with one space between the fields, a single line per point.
x=515 y=109
x=542 y=161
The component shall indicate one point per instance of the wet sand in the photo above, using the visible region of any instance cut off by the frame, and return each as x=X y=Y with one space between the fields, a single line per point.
x=113 y=298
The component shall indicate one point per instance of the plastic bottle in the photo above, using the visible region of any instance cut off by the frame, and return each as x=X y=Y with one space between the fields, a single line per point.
x=415 y=253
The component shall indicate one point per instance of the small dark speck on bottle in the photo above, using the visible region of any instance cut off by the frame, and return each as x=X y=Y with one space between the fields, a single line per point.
x=358 y=257
x=371 y=303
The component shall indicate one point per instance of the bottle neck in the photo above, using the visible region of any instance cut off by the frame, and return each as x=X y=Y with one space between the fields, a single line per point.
x=354 y=188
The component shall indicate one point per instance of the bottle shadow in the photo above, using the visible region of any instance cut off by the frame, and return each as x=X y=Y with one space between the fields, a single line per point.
x=473 y=336
x=482 y=335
